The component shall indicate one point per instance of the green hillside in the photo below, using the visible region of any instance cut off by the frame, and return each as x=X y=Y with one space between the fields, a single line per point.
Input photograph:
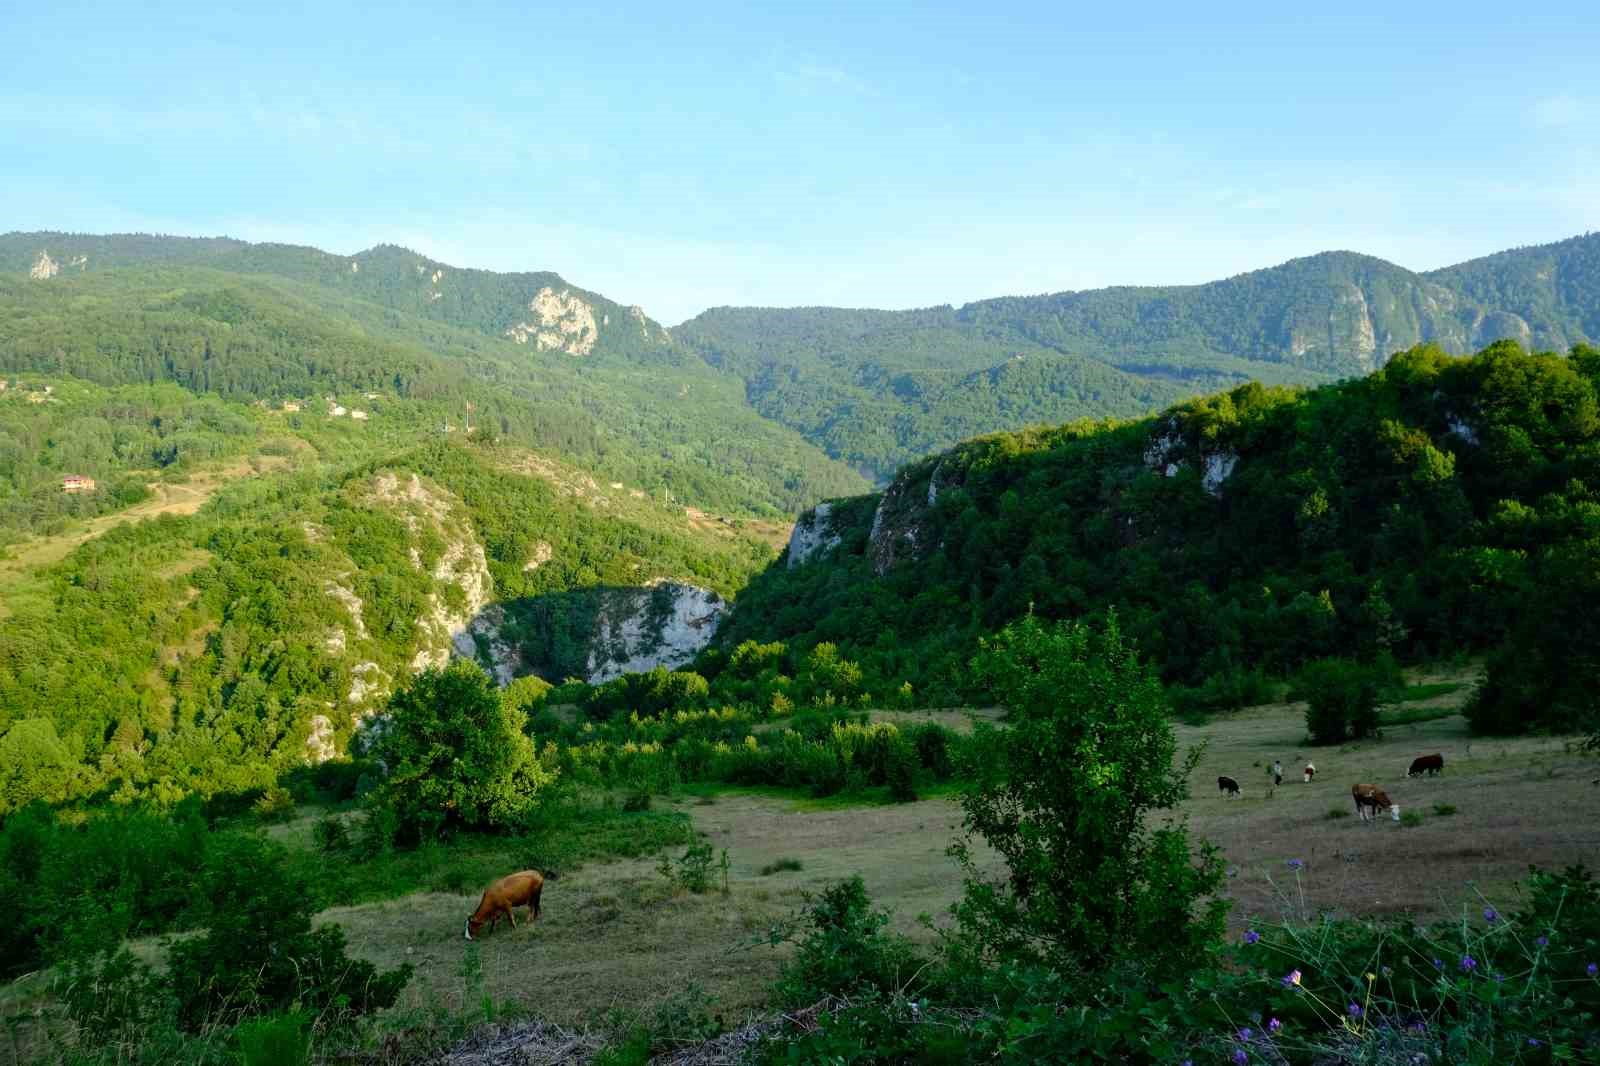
x=666 y=422
x=854 y=381
x=1441 y=504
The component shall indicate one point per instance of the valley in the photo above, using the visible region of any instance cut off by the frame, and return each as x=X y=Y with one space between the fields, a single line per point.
x=715 y=620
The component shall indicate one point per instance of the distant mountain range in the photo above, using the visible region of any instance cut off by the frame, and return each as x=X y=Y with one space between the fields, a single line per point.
x=879 y=388
x=876 y=389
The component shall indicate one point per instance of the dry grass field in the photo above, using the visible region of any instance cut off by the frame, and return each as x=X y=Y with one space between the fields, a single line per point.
x=615 y=935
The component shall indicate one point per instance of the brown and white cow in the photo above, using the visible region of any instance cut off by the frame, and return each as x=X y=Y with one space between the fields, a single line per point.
x=1369 y=798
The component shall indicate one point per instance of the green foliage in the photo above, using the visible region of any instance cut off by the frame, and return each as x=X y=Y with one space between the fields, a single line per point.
x=1420 y=511
x=782 y=866
x=260 y=954
x=842 y=947
x=456 y=756
x=1065 y=794
x=690 y=871
x=1341 y=699
x=281 y=1040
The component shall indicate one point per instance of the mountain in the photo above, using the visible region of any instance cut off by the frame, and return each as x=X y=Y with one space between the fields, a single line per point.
x=863 y=384
x=1419 y=510
x=544 y=363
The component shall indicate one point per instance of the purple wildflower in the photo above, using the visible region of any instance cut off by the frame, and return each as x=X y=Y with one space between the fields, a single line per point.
x=1295 y=864
x=1542 y=941
x=1438 y=964
x=1291 y=979
x=1354 y=1010
x=1240 y=1056
x=1499 y=977
x=1251 y=936
x=1273 y=1025
x=1592 y=969
x=1468 y=964
x=1533 y=1041
x=1491 y=915
x=1245 y=1034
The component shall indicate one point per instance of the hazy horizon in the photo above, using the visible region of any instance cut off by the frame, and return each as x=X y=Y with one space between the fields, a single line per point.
x=889 y=158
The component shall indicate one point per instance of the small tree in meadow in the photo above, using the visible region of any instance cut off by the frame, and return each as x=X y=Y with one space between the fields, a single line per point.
x=457 y=756
x=1341 y=699
x=1064 y=794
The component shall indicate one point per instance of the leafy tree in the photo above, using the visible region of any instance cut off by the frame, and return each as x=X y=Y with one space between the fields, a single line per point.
x=34 y=764
x=456 y=755
x=1064 y=794
x=1341 y=699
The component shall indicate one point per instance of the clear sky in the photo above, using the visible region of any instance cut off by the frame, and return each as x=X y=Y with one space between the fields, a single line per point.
x=683 y=156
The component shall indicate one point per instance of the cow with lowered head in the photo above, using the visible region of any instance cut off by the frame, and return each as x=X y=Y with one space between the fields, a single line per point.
x=1369 y=799
x=520 y=889
x=1426 y=764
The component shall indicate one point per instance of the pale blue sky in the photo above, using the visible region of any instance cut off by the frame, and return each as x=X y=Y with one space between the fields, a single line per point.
x=681 y=157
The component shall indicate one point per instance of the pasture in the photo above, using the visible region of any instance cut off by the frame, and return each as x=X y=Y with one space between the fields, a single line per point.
x=616 y=934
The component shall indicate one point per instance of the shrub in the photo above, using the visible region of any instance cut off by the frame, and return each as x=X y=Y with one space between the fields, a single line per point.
x=274 y=805
x=1444 y=810
x=280 y=1040
x=1336 y=812
x=330 y=835
x=842 y=947
x=260 y=954
x=1341 y=699
x=1411 y=819
x=899 y=770
x=634 y=802
x=781 y=866
x=1063 y=795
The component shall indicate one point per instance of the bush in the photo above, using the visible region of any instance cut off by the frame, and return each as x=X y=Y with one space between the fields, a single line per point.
x=842 y=947
x=259 y=953
x=274 y=805
x=330 y=835
x=281 y=1040
x=1341 y=699
x=900 y=769
x=781 y=866
x=1063 y=794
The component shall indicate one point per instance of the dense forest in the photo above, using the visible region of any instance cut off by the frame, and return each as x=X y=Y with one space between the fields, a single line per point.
x=1442 y=504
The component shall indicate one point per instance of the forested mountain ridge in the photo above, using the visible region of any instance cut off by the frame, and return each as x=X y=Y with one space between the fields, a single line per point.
x=1128 y=350
x=1439 y=504
x=649 y=414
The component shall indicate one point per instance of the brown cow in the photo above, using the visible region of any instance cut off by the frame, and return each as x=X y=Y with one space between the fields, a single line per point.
x=1371 y=797
x=1426 y=764
x=513 y=890
x=1227 y=786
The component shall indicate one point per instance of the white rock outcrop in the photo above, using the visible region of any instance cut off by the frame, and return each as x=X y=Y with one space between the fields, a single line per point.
x=813 y=535
x=562 y=321
x=664 y=623
x=44 y=267
x=320 y=746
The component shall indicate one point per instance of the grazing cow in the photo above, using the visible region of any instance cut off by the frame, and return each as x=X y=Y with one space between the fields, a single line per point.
x=1311 y=771
x=1429 y=764
x=1369 y=798
x=1228 y=785
x=513 y=890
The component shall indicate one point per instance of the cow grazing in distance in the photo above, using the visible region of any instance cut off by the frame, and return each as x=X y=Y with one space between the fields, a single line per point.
x=1369 y=798
x=520 y=889
x=1426 y=764
x=1228 y=786
x=1311 y=771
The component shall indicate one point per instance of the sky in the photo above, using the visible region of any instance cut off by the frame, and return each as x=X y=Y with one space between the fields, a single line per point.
x=881 y=155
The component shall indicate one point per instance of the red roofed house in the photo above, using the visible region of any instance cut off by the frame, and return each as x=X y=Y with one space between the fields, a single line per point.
x=77 y=483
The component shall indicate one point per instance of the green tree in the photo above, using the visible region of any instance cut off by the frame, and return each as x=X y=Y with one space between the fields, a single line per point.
x=456 y=755
x=1064 y=794
x=34 y=765
x=1341 y=699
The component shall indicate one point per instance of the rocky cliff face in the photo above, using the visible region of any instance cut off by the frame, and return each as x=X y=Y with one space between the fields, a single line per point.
x=562 y=321
x=1173 y=447
x=664 y=623
x=813 y=535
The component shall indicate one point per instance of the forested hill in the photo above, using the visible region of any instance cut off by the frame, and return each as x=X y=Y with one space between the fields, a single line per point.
x=1440 y=504
x=585 y=379
x=539 y=310
x=877 y=388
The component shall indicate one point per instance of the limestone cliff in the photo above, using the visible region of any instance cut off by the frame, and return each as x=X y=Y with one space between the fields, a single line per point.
x=663 y=623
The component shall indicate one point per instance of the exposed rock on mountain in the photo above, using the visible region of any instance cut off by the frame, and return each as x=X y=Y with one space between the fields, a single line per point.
x=664 y=623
